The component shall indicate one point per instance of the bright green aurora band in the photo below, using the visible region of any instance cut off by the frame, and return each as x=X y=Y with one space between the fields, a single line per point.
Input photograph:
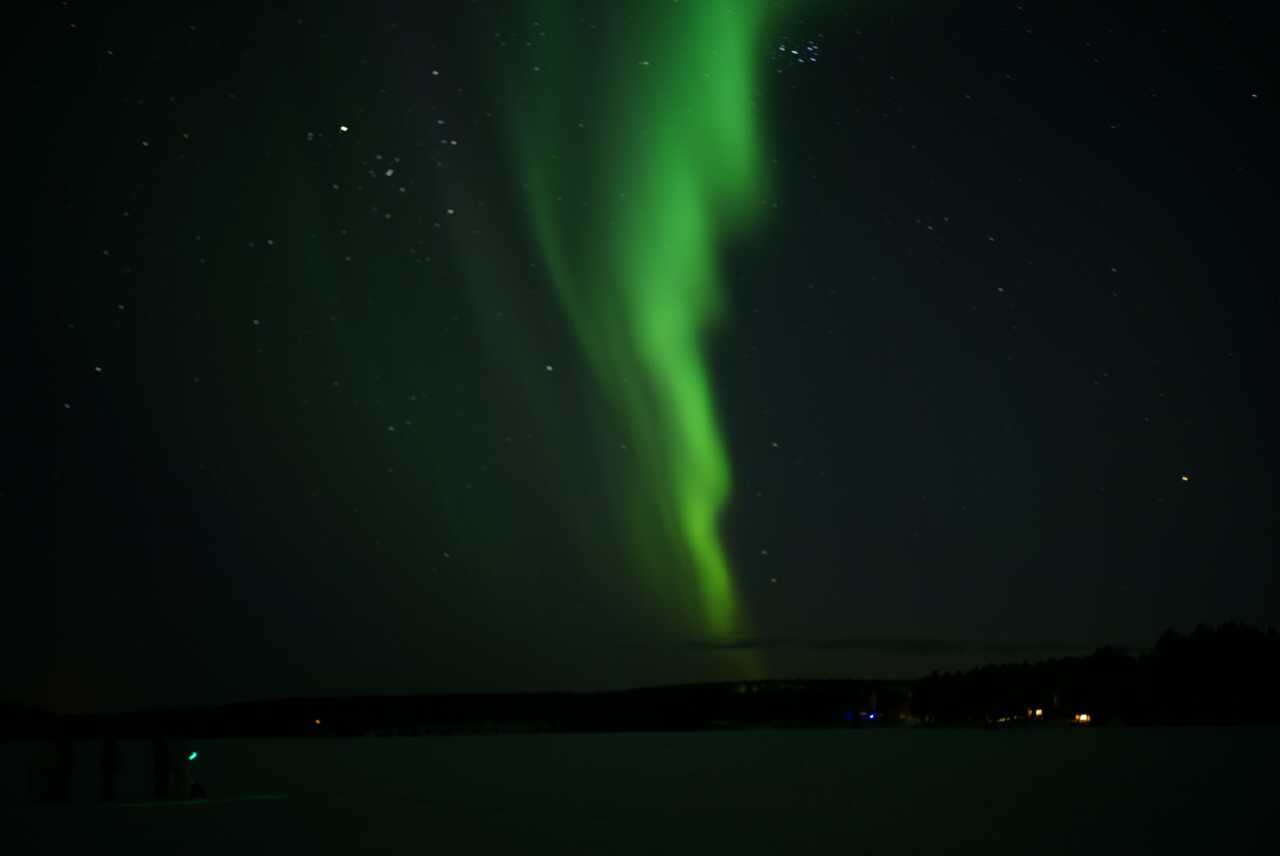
x=639 y=149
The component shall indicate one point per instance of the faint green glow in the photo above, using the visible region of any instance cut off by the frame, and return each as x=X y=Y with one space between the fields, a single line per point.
x=639 y=148
x=192 y=756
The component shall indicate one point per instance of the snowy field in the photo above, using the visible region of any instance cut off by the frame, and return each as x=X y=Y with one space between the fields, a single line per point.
x=853 y=792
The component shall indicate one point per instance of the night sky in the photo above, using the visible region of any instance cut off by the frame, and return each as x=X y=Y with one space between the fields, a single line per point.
x=501 y=346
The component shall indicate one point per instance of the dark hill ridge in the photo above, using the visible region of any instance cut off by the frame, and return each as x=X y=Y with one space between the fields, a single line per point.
x=1213 y=675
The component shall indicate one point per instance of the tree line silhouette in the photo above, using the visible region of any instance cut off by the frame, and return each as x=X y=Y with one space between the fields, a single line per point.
x=1221 y=674
x=1212 y=675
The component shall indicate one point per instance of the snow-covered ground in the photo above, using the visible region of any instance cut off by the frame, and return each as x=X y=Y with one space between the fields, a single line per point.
x=850 y=792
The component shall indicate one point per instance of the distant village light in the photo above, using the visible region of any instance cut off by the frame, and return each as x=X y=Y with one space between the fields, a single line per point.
x=317 y=722
x=1039 y=711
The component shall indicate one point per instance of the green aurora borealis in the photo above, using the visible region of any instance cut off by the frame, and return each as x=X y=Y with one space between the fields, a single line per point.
x=668 y=166
x=563 y=345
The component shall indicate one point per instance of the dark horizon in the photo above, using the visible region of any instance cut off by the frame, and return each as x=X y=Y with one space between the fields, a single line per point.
x=947 y=656
x=1213 y=676
x=1201 y=660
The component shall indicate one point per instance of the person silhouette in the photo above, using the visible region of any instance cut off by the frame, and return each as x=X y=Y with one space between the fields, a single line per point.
x=180 y=778
x=65 y=770
x=109 y=769
x=161 y=767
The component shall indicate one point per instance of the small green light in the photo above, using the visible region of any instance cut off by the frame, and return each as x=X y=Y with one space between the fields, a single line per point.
x=192 y=756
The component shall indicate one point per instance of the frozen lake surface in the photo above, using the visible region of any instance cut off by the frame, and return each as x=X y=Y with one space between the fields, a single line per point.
x=849 y=792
